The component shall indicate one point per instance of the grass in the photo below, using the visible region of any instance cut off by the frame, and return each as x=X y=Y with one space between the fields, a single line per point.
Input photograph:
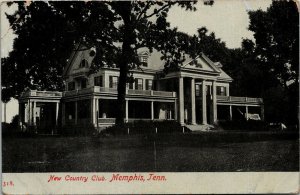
x=201 y=152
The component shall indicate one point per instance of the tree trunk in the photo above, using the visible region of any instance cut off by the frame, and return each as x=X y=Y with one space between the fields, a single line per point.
x=122 y=89
x=123 y=65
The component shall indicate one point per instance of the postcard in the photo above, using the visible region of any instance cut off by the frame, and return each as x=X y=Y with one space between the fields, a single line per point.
x=150 y=97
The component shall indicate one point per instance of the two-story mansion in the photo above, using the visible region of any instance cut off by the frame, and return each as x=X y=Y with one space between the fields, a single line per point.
x=197 y=93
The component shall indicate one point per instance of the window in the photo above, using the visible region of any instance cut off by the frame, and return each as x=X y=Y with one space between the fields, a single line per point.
x=113 y=82
x=208 y=89
x=84 y=63
x=198 y=90
x=98 y=81
x=139 y=84
x=221 y=90
x=83 y=83
x=148 y=84
x=71 y=86
x=144 y=60
x=130 y=85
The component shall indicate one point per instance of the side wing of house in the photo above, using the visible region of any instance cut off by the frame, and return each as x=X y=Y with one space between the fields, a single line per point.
x=76 y=72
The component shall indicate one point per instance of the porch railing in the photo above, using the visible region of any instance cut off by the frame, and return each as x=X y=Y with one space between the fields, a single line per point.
x=138 y=92
x=113 y=120
x=239 y=99
x=164 y=93
x=97 y=89
x=107 y=120
x=41 y=93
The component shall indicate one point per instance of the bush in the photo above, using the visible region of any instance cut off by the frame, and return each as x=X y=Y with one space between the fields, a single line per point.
x=6 y=128
x=250 y=125
x=77 y=130
x=145 y=127
x=15 y=122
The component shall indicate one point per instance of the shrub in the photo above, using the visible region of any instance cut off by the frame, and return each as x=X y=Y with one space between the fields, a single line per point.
x=15 y=122
x=145 y=127
x=250 y=125
x=77 y=130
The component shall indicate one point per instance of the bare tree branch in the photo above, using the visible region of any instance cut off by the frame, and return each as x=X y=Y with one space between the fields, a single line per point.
x=159 y=10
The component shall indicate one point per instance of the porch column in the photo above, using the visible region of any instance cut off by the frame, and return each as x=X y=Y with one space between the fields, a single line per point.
x=93 y=110
x=96 y=110
x=29 y=112
x=214 y=103
x=20 y=115
x=246 y=113
x=227 y=91
x=262 y=112
x=56 y=113
x=230 y=112
x=193 y=101
x=26 y=112
x=175 y=110
x=34 y=112
x=204 y=117
x=152 y=110
x=181 y=101
x=126 y=111
x=76 y=115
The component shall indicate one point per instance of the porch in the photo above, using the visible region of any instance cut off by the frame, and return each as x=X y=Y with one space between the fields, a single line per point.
x=237 y=107
x=113 y=91
x=40 y=111
x=101 y=111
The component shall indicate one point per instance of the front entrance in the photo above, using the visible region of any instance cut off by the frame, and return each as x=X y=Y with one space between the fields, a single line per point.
x=45 y=117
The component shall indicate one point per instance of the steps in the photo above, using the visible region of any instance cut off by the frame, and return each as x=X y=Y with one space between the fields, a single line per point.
x=200 y=127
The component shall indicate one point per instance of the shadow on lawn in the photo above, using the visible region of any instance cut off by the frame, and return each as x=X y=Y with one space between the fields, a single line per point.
x=207 y=151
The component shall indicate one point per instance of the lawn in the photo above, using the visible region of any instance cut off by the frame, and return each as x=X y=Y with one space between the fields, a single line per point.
x=146 y=153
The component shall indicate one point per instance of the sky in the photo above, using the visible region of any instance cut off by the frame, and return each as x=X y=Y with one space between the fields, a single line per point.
x=228 y=19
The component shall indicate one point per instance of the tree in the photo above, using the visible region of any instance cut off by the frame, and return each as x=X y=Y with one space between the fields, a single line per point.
x=275 y=56
x=276 y=33
x=144 y=24
x=103 y=25
x=46 y=35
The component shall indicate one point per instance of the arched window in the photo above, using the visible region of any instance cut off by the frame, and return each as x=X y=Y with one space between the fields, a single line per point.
x=83 y=64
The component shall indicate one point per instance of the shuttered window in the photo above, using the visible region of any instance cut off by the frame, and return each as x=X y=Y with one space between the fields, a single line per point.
x=113 y=82
x=139 y=84
x=198 y=90
x=149 y=84
x=71 y=86
x=98 y=81
x=221 y=90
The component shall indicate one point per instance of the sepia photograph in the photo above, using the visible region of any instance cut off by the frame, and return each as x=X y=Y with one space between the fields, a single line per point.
x=141 y=91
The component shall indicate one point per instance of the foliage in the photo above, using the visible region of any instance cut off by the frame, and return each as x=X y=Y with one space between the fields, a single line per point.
x=276 y=33
x=273 y=59
x=46 y=34
x=145 y=127
x=15 y=122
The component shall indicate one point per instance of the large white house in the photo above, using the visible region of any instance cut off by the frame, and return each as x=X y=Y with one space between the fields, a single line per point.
x=196 y=93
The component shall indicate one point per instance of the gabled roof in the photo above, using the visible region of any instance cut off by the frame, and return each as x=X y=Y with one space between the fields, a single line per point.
x=144 y=53
x=199 y=64
x=76 y=57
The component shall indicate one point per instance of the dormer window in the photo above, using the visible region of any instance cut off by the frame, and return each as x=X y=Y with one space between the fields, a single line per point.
x=143 y=57
x=83 y=64
x=144 y=60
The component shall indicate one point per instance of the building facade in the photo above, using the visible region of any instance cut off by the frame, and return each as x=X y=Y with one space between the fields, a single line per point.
x=196 y=93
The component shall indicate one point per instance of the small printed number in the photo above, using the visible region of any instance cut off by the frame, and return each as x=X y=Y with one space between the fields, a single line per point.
x=7 y=183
